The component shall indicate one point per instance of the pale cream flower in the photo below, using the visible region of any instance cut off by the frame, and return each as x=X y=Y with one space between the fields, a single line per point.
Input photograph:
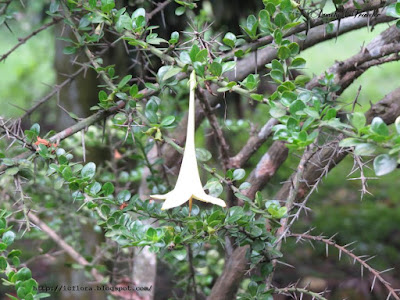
x=188 y=186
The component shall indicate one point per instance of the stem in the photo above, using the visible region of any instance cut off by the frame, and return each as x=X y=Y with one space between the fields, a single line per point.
x=66 y=247
x=192 y=271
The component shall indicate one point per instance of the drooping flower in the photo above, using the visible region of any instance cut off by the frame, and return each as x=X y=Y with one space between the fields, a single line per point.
x=188 y=186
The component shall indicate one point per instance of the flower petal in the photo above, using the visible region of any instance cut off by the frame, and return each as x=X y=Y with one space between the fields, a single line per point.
x=175 y=198
x=160 y=197
x=209 y=199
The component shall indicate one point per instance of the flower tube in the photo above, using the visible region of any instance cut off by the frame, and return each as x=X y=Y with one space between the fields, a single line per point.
x=188 y=186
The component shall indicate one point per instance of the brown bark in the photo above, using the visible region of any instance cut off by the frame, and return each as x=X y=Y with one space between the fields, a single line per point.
x=233 y=272
x=253 y=144
x=267 y=167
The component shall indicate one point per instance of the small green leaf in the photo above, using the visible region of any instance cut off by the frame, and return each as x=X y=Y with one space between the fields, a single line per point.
x=84 y=22
x=107 y=5
x=193 y=52
x=14 y=252
x=151 y=234
x=67 y=173
x=134 y=90
x=283 y=52
x=69 y=50
x=277 y=65
x=276 y=75
x=123 y=196
x=12 y=171
x=257 y=97
x=202 y=55
x=124 y=81
x=36 y=128
x=280 y=20
x=296 y=106
x=174 y=37
x=256 y=231
x=349 y=142
x=54 y=7
x=105 y=210
x=180 y=254
x=171 y=73
x=203 y=154
x=264 y=18
x=214 y=187
x=151 y=116
x=311 y=112
x=278 y=36
x=94 y=188
x=244 y=186
x=152 y=104
x=330 y=114
x=277 y=112
x=3 y=223
x=298 y=62
x=167 y=121
x=239 y=174
x=384 y=164
x=294 y=48
x=123 y=22
x=301 y=80
x=229 y=39
x=102 y=96
x=185 y=58
x=24 y=274
x=16 y=261
x=3 y=246
x=288 y=98
x=365 y=149
x=8 y=237
x=180 y=10
x=358 y=120
x=379 y=127
x=215 y=69
x=3 y=263
x=89 y=170
x=199 y=68
x=292 y=124
x=138 y=12
x=230 y=65
x=251 y=25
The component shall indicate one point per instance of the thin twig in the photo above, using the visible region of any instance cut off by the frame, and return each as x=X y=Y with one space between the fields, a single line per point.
x=343 y=249
x=56 y=89
x=297 y=178
x=301 y=291
x=25 y=39
x=192 y=271
x=222 y=143
x=160 y=7
x=65 y=246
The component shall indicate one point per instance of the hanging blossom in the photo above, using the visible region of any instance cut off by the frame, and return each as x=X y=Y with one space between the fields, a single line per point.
x=188 y=186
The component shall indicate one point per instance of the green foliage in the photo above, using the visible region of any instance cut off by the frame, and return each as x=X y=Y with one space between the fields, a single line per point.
x=18 y=277
x=150 y=107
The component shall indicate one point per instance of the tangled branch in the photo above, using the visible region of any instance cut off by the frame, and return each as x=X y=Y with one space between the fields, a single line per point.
x=343 y=249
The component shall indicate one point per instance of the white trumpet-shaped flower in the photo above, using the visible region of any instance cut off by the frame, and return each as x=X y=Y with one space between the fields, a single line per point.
x=188 y=186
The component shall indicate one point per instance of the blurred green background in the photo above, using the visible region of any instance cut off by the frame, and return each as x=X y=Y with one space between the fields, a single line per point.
x=374 y=221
